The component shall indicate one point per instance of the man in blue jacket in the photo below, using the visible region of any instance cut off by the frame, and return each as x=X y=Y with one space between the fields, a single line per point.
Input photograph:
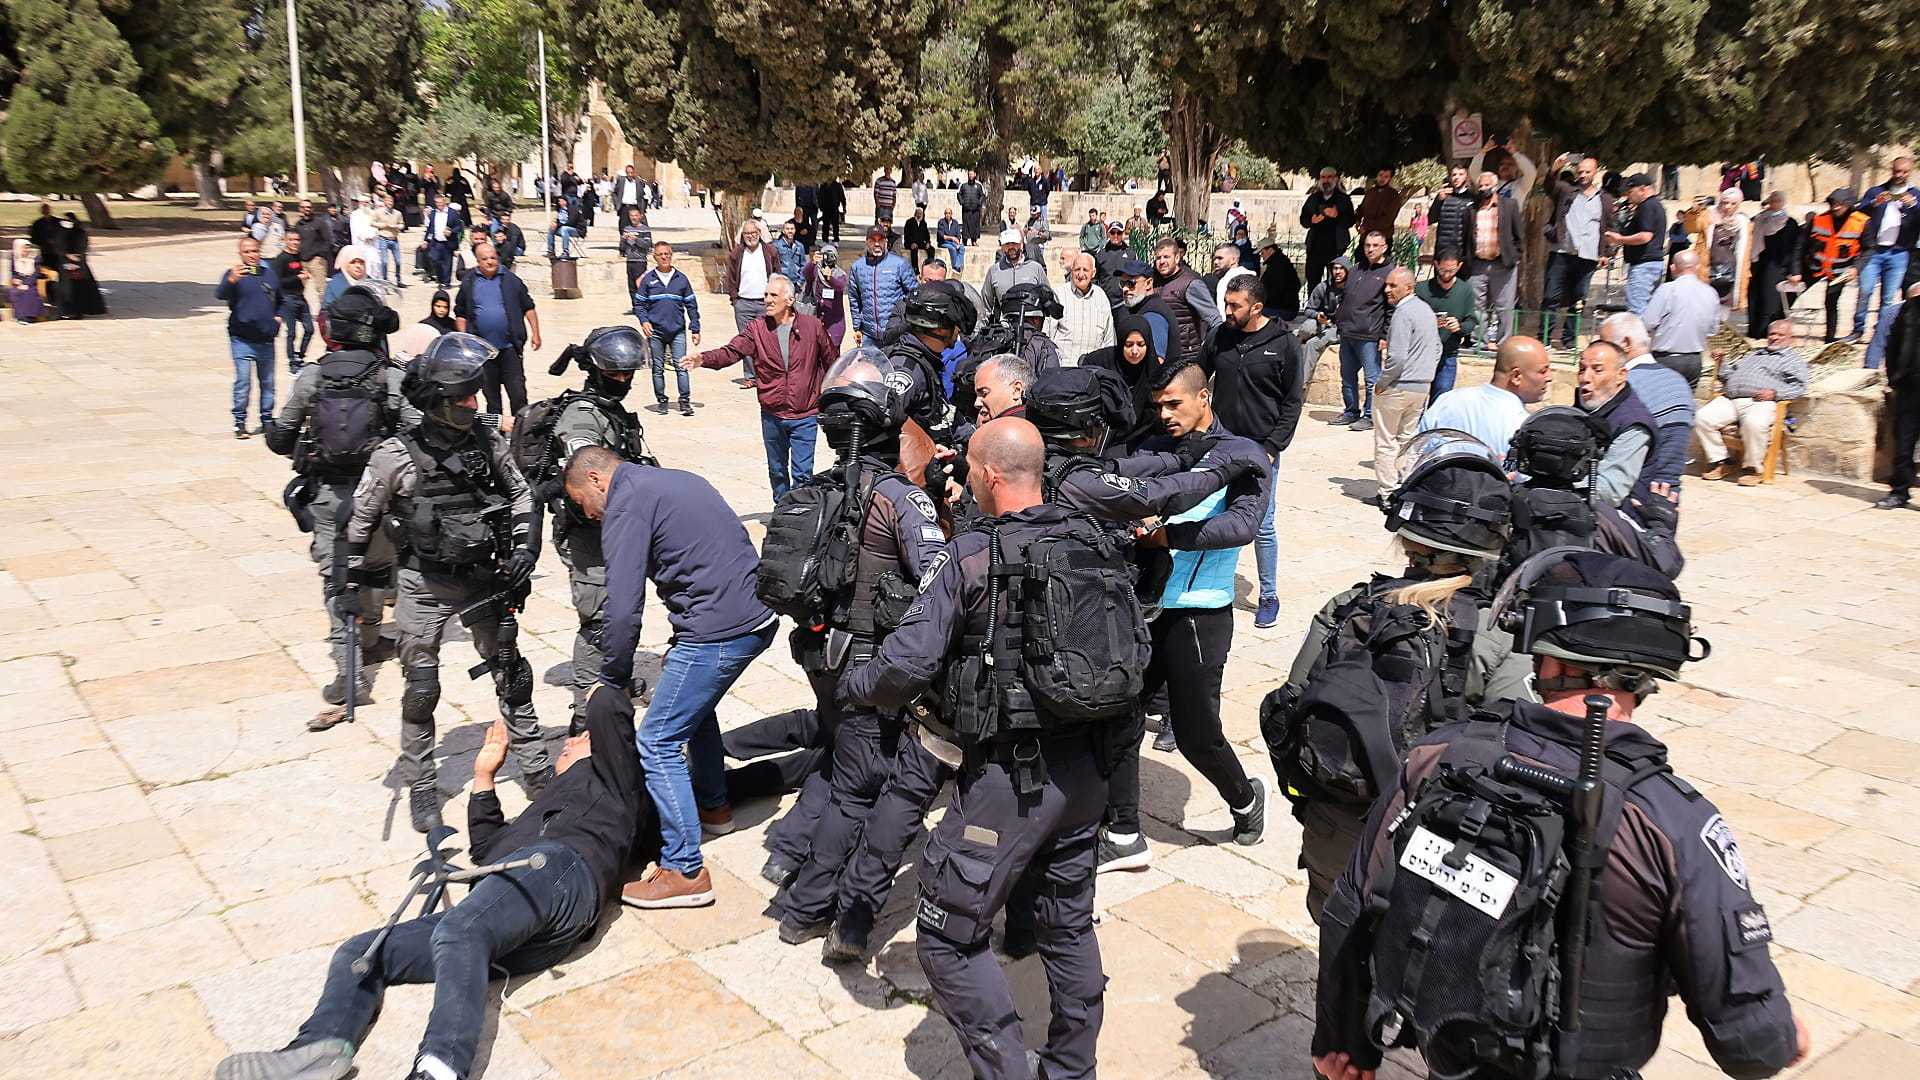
x=672 y=528
x=252 y=296
x=1194 y=630
x=875 y=284
x=663 y=301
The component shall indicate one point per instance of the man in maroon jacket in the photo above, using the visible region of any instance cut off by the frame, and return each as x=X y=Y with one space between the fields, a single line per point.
x=789 y=354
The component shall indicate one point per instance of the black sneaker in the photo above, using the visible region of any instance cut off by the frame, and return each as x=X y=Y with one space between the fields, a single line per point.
x=327 y=1059
x=793 y=931
x=1111 y=856
x=776 y=870
x=686 y=408
x=1891 y=501
x=1164 y=740
x=1247 y=827
x=1344 y=419
x=423 y=803
x=240 y=432
x=847 y=942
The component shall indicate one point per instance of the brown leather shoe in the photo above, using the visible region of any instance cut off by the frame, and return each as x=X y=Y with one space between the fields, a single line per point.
x=717 y=821
x=660 y=887
x=1717 y=472
x=1749 y=478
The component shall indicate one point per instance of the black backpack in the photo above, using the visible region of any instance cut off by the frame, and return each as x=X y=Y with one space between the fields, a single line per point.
x=1464 y=919
x=1066 y=615
x=1548 y=517
x=537 y=454
x=809 y=558
x=350 y=413
x=1385 y=676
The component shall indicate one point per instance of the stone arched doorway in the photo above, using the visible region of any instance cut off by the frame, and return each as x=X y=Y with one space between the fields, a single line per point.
x=601 y=154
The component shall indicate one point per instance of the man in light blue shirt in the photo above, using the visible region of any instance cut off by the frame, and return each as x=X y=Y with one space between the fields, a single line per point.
x=1495 y=409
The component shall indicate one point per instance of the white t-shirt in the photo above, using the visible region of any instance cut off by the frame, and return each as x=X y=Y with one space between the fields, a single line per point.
x=1890 y=221
x=753 y=275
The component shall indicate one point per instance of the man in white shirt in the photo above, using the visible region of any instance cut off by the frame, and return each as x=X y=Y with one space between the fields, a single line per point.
x=1492 y=411
x=628 y=193
x=1086 y=320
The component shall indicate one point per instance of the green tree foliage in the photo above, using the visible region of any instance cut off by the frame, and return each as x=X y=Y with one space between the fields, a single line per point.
x=359 y=60
x=1119 y=130
x=950 y=121
x=487 y=51
x=75 y=122
x=738 y=91
x=193 y=62
x=457 y=127
x=262 y=140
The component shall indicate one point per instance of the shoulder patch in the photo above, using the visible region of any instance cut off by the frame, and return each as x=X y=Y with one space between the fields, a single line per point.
x=1718 y=836
x=1752 y=926
x=922 y=502
x=934 y=566
x=1124 y=483
x=899 y=381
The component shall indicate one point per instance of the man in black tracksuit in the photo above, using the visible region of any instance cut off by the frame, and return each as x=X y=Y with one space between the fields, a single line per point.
x=993 y=835
x=1327 y=215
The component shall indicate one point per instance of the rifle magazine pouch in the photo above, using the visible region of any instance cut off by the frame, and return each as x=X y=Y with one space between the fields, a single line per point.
x=298 y=497
x=465 y=537
x=971 y=703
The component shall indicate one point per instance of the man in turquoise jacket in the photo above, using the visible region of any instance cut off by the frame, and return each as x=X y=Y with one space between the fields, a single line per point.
x=1194 y=628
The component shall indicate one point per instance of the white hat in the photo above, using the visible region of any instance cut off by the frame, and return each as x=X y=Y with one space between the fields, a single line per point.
x=1010 y=236
x=363 y=197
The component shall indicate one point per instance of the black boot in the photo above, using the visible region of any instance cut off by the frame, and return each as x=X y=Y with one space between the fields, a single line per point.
x=423 y=803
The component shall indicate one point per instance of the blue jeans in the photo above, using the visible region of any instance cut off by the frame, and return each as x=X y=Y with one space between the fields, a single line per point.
x=1884 y=269
x=1877 y=346
x=567 y=235
x=789 y=450
x=298 y=322
x=667 y=350
x=1444 y=374
x=1642 y=279
x=389 y=250
x=522 y=920
x=956 y=253
x=1266 y=544
x=1358 y=355
x=693 y=678
x=251 y=359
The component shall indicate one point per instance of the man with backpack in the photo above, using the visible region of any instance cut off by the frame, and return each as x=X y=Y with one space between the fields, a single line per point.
x=1397 y=656
x=339 y=409
x=546 y=435
x=1535 y=882
x=1193 y=632
x=1033 y=747
x=469 y=541
x=844 y=557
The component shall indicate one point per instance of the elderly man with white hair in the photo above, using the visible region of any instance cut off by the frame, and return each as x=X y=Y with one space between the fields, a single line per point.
x=1664 y=392
x=1406 y=376
x=1086 y=319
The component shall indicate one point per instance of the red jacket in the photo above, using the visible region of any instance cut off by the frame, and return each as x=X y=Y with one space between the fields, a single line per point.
x=790 y=391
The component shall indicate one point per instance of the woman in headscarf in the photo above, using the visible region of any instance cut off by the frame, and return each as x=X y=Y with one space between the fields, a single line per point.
x=351 y=269
x=1720 y=237
x=83 y=292
x=441 y=313
x=23 y=289
x=1776 y=245
x=1134 y=360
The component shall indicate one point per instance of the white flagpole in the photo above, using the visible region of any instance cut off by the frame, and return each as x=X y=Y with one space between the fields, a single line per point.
x=299 y=110
x=546 y=153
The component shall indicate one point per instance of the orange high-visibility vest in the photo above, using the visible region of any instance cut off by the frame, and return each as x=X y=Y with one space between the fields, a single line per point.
x=1831 y=249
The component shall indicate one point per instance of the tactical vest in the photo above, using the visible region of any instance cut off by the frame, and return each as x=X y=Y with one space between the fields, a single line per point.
x=930 y=410
x=628 y=441
x=881 y=593
x=458 y=509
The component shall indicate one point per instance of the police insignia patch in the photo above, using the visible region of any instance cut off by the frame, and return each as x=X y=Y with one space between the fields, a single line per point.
x=1753 y=926
x=899 y=382
x=922 y=502
x=1718 y=836
x=1116 y=480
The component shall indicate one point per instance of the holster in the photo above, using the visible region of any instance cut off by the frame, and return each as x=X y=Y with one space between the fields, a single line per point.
x=298 y=498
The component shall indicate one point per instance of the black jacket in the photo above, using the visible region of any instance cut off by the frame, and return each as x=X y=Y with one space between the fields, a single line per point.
x=1363 y=312
x=316 y=237
x=513 y=293
x=1328 y=236
x=1258 y=385
x=1903 y=349
x=1453 y=224
x=596 y=807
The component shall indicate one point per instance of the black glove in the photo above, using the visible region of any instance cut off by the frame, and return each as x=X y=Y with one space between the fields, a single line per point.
x=520 y=564
x=346 y=603
x=1192 y=448
x=546 y=493
x=1235 y=468
x=1659 y=513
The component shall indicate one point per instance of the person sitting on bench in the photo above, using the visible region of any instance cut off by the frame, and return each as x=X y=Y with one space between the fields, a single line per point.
x=518 y=920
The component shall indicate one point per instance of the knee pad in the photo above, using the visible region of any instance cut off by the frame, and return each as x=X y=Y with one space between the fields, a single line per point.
x=515 y=686
x=421 y=695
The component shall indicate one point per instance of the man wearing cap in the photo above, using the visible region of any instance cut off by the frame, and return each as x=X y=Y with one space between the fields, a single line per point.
x=1109 y=259
x=1010 y=269
x=1643 y=244
x=1833 y=250
x=1139 y=297
x=875 y=284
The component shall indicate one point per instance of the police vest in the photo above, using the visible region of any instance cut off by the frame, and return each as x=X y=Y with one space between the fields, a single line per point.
x=458 y=509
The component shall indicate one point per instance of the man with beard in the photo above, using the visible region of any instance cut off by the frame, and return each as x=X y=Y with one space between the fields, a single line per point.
x=1327 y=215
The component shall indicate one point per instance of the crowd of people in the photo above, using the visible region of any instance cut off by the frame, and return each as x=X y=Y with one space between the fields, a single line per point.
x=1017 y=571
x=48 y=273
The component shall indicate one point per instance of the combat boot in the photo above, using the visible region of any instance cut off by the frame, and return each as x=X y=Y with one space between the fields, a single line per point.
x=536 y=782
x=423 y=803
x=335 y=692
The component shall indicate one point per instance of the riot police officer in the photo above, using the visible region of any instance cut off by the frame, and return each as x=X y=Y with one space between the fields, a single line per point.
x=1028 y=800
x=898 y=536
x=1675 y=906
x=464 y=522
x=589 y=416
x=936 y=314
x=339 y=410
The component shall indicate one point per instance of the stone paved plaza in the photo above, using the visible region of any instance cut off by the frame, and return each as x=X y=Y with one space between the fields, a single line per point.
x=182 y=855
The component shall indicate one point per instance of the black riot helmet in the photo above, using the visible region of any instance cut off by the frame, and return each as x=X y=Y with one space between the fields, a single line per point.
x=855 y=393
x=613 y=348
x=1618 y=619
x=358 y=319
x=449 y=370
x=1030 y=298
x=1455 y=495
x=1078 y=406
x=939 y=305
x=1559 y=446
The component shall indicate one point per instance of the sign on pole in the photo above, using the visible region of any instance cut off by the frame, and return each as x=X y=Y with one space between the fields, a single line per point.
x=1469 y=134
